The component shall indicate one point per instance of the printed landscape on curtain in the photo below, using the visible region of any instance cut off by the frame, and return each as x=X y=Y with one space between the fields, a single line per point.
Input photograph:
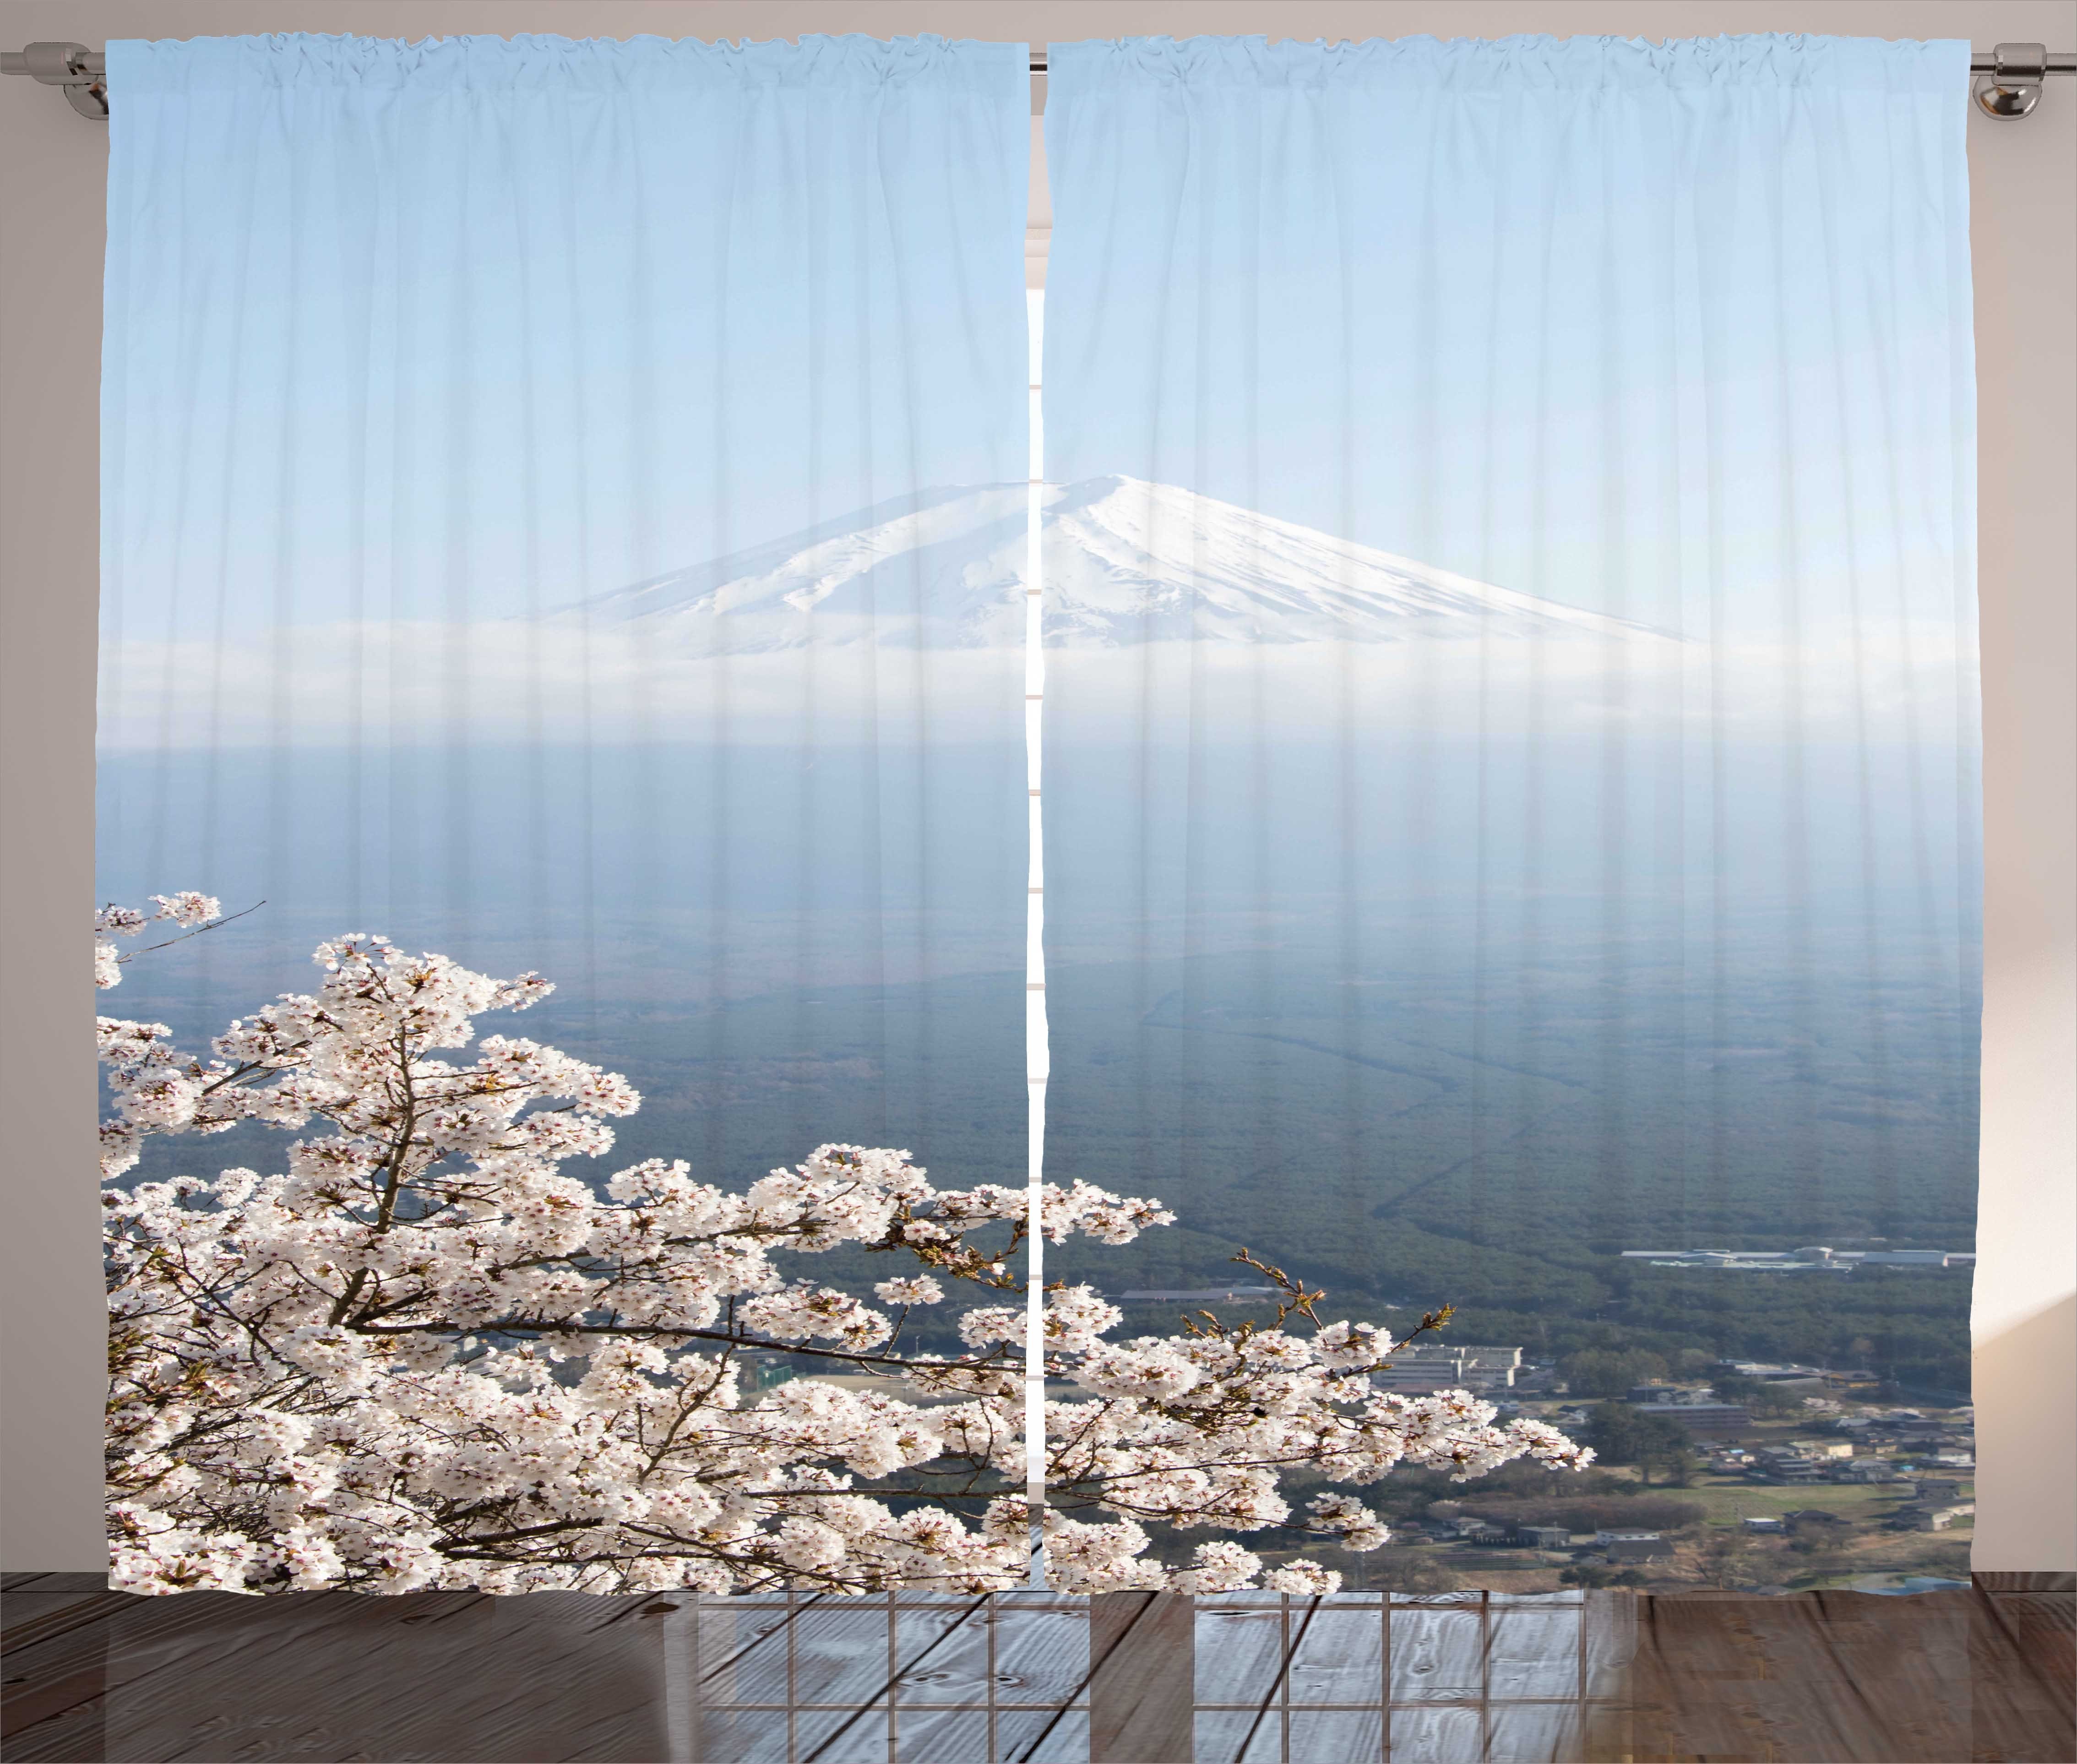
x=568 y=512
x=529 y=467
x=1511 y=838
x=1511 y=832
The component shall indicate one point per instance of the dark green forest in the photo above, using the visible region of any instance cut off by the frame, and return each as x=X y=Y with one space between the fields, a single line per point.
x=1438 y=1132
x=1495 y=1142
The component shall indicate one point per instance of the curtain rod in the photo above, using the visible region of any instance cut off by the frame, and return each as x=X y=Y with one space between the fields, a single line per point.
x=2008 y=78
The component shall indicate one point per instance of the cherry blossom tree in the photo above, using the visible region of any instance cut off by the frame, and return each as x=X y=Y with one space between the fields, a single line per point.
x=423 y=1354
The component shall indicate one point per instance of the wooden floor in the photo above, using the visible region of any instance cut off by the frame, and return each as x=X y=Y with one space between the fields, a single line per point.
x=1950 y=1678
x=1987 y=1675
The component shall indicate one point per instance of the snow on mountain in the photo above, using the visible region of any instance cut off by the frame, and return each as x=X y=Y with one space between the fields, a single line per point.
x=1126 y=562
x=941 y=570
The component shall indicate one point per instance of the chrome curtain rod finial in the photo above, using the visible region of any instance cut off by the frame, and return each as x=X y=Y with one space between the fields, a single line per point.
x=2007 y=84
x=2010 y=86
x=82 y=73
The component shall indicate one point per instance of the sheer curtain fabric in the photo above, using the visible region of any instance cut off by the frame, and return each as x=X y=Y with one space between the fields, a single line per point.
x=1511 y=722
x=527 y=469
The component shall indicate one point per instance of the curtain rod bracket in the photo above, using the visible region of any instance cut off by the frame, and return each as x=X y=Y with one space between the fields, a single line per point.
x=82 y=73
x=2011 y=87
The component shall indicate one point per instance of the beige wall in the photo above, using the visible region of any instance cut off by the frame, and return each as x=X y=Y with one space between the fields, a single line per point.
x=52 y=165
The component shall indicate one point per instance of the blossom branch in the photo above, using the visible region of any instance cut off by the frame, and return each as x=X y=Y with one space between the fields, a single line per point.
x=420 y=1354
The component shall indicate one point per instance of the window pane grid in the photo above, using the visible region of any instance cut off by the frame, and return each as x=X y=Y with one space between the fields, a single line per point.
x=935 y=1679
x=1468 y=1677
x=976 y=1679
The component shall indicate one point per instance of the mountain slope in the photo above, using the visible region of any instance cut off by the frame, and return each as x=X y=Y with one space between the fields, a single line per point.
x=1126 y=562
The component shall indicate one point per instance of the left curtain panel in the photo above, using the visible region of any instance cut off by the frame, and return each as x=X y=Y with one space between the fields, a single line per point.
x=530 y=471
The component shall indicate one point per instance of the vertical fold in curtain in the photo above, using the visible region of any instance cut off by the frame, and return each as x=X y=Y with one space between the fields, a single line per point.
x=563 y=507
x=1511 y=734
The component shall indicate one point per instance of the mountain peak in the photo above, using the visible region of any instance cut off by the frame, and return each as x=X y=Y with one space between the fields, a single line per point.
x=1126 y=562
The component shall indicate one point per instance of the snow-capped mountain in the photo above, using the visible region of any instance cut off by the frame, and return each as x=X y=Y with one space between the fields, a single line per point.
x=1126 y=562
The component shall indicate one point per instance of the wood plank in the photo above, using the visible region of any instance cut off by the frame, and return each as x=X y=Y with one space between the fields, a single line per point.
x=1437 y=1653
x=547 y=1676
x=53 y=1581
x=44 y=1684
x=2023 y=1676
x=1338 y=1657
x=77 y=1735
x=1845 y=1677
x=2038 y=1580
x=125 y=1637
x=35 y=1616
x=1142 y=1677
x=1041 y=1650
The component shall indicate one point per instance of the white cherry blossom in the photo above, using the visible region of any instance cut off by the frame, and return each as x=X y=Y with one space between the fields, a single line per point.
x=418 y=1353
x=190 y=911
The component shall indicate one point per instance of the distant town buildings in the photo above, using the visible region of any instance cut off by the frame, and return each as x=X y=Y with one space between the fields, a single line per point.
x=1948 y=1440
x=759 y=1368
x=1918 y=1516
x=1786 y=1464
x=1695 y=1409
x=1767 y=1371
x=1422 y=1367
x=1204 y=1295
x=1705 y=1419
x=1464 y=1529
x=1807 y=1257
x=1481 y=1531
x=1621 y=1547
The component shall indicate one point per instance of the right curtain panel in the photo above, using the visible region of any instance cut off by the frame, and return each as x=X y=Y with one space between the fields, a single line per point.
x=1511 y=762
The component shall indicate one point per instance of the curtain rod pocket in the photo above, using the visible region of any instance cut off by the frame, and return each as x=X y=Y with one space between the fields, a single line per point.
x=2007 y=84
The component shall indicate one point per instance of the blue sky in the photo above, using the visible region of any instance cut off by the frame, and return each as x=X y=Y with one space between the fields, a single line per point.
x=1691 y=349
x=439 y=349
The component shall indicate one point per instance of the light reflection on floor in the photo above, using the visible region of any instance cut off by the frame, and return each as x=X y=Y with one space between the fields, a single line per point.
x=1459 y=1679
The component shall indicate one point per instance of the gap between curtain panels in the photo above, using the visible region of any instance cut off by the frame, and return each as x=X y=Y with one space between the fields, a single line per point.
x=1034 y=954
